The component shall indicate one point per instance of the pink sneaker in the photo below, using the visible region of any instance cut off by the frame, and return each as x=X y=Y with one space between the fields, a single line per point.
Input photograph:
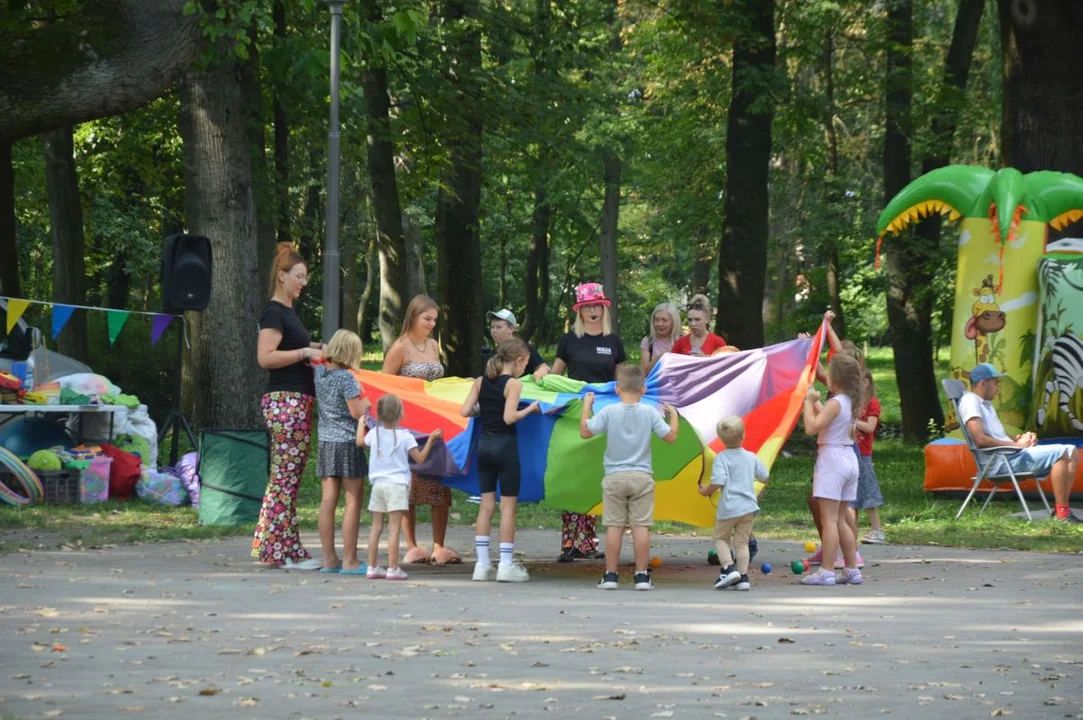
x=396 y=573
x=376 y=572
x=818 y=558
x=839 y=561
x=820 y=577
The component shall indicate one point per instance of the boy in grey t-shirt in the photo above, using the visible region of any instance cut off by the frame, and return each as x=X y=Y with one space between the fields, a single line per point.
x=628 y=485
x=735 y=472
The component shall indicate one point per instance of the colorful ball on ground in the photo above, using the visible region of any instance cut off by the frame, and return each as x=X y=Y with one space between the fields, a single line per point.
x=766 y=568
x=656 y=562
x=797 y=566
x=810 y=546
x=804 y=561
x=712 y=558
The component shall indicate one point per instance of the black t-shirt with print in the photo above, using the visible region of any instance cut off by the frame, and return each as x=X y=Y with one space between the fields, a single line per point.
x=591 y=358
x=296 y=377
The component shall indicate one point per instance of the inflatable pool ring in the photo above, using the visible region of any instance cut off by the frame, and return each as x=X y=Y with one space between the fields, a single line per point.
x=26 y=477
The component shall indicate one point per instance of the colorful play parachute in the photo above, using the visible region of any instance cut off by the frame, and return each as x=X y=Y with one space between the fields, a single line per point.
x=765 y=386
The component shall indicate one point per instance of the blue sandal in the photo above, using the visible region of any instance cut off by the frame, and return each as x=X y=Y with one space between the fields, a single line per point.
x=356 y=571
x=330 y=570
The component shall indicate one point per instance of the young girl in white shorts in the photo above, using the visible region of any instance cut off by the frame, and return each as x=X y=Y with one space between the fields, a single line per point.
x=834 y=484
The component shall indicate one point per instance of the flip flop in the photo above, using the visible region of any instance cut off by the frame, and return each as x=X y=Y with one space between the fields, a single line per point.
x=331 y=570
x=445 y=556
x=356 y=571
x=416 y=556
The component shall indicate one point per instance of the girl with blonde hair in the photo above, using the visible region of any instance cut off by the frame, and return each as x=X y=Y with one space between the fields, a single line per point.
x=339 y=461
x=665 y=331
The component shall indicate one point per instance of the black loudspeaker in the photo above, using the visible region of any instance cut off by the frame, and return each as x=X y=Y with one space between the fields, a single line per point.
x=186 y=272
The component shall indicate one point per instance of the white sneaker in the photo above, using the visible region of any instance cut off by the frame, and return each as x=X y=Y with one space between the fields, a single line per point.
x=846 y=576
x=474 y=499
x=376 y=572
x=310 y=564
x=874 y=537
x=744 y=584
x=514 y=573
x=820 y=577
x=484 y=572
x=396 y=573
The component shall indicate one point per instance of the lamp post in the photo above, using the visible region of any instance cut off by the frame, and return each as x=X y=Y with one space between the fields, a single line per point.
x=331 y=257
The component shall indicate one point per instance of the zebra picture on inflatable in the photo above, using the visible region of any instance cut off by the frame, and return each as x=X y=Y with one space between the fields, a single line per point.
x=1065 y=377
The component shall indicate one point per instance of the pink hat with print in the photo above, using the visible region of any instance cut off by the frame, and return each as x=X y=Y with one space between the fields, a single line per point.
x=589 y=294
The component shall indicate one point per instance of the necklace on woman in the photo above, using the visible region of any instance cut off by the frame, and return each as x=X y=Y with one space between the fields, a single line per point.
x=424 y=345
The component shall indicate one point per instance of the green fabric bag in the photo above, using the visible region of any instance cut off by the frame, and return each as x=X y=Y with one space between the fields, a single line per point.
x=234 y=466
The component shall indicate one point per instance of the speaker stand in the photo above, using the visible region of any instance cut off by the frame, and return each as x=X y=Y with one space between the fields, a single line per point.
x=176 y=420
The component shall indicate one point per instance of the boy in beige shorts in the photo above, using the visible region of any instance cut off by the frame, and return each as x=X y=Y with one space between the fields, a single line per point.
x=628 y=485
x=735 y=472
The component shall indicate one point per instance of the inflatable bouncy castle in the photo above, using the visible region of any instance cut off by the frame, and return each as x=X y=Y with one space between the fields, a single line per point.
x=1018 y=300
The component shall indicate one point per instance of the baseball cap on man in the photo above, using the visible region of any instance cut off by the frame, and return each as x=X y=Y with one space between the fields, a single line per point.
x=503 y=314
x=984 y=371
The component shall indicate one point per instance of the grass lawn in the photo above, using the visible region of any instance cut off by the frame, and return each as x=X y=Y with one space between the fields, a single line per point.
x=910 y=515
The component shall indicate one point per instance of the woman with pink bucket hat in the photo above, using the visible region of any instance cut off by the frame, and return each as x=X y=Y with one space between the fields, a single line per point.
x=591 y=352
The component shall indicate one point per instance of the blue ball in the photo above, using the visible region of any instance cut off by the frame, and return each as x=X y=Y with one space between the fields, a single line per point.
x=766 y=568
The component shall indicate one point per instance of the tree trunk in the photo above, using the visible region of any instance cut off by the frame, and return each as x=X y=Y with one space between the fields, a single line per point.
x=364 y=316
x=9 y=250
x=457 y=240
x=415 y=257
x=103 y=58
x=66 y=216
x=909 y=299
x=701 y=267
x=394 y=278
x=742 y=256
x=282 y=139
x=834 y=194
x=537 y=249
x=223 y=377
x=263 y=184
x=1043 y=96
x=607 y=239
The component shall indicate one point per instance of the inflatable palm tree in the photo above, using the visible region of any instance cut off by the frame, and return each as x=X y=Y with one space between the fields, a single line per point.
x=1005 y=219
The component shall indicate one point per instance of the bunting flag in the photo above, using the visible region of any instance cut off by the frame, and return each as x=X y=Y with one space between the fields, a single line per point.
x=116 y=320
x=159 y=325
x=16 y=308
x=766 y=387
x=61 y=315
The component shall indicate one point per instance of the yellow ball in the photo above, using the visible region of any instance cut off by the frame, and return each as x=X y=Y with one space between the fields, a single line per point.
x=810 y=546
x=656 y=562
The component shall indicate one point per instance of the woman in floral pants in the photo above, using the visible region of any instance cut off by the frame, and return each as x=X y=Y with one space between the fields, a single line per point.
x=285 y=350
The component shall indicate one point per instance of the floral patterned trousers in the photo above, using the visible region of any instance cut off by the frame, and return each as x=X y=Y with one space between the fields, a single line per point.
x=289 y=419
x=578 y=531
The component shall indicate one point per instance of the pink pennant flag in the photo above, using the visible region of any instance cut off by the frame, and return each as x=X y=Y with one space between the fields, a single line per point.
x=161 y=322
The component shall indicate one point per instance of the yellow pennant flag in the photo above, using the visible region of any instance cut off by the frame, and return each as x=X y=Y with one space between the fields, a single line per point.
x=16 y=308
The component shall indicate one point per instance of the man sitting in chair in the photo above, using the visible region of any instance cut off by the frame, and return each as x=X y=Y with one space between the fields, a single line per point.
x=1059 y=462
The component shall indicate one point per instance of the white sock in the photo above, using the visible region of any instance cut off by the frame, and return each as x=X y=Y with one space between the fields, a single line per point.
x=507 y=554
x=481 y=545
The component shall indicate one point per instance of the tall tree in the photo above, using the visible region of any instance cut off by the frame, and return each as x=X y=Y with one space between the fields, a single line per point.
x=458 y=243
x=101 y=59
x=391 y=246
x=9 y=269
x=222 y=376
x=536 y=283
x=1043 y=97
x=66 y=217
x=909 y=295
x=281 y=136
x=832 y=183
x=611 y=172
x=742 y=256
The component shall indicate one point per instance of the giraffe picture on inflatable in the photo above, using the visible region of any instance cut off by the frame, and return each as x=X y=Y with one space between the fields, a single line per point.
x=986 y=318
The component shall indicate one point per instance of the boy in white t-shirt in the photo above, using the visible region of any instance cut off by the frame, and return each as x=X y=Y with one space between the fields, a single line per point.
x=390 y=451
x=735 y=471
x=628 y=485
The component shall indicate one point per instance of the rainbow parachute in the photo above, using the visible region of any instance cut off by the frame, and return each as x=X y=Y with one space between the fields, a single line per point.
x=765 y=386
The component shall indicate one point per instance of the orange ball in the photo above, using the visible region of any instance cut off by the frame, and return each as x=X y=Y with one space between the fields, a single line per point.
x=656 y=562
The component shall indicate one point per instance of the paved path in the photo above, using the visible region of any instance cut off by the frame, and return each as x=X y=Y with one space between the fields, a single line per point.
x=196 y=630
